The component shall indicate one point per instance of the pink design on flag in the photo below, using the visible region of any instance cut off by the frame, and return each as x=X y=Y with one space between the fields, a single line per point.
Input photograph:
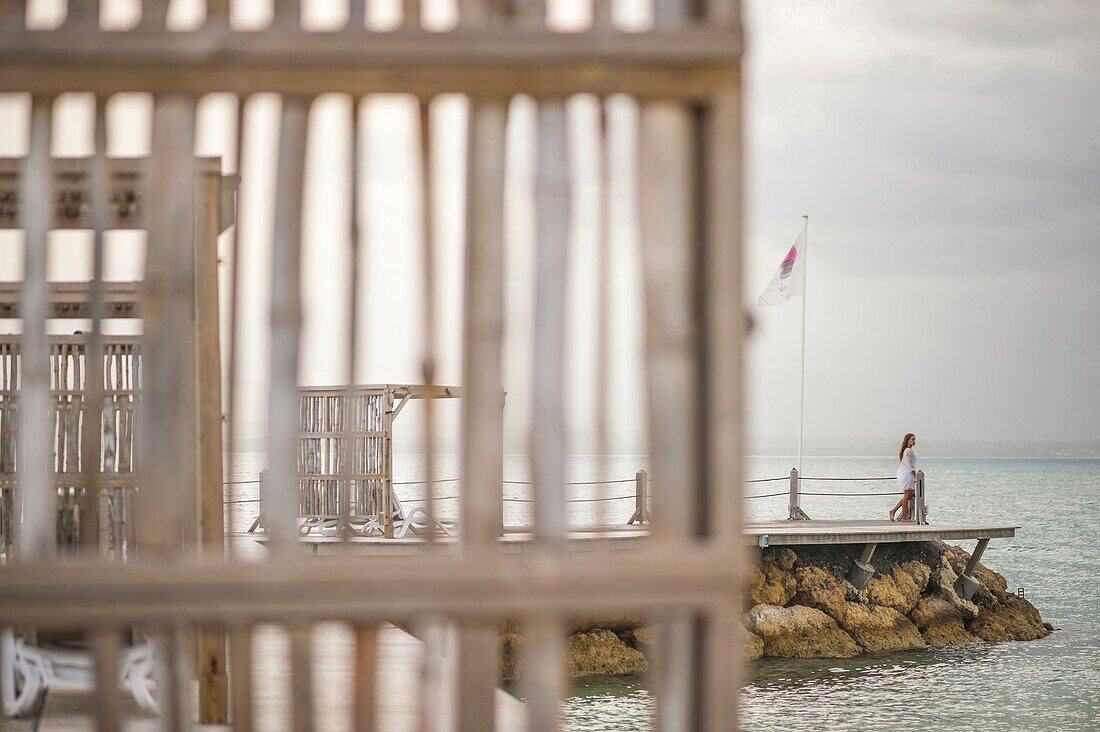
x=787 y=265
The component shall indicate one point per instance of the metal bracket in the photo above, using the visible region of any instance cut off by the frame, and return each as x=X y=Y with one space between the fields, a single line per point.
x=862 y=570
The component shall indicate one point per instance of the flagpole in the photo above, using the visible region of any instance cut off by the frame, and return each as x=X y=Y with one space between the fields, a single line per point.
x=805 y=277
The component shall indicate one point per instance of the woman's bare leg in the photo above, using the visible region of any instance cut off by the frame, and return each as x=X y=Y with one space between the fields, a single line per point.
x=896 y=507
x=905 y=501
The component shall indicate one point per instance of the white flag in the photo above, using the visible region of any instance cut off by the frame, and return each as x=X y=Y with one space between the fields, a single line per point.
x=787 y=282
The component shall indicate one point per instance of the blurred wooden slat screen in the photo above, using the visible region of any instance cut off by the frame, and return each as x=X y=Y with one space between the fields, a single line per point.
x=683 y=73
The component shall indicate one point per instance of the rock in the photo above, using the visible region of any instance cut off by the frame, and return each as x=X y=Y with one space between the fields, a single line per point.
x=598 y=653
x=781 y=557
x=602 y=653
x=615 y=625
x=819 y=588
x=878 y=628
x=1048 y=626
x=773 y=583
x=640 y=639
x=799 y=632
x=901 y=588
x=1015 y=619
x=512 y=645
x=753 y=646
x=942 y=585
x=940 y=623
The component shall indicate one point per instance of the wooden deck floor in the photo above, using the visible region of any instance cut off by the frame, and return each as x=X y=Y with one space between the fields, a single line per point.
x=761 y=534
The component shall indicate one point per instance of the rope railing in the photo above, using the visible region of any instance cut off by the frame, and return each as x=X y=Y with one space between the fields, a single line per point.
x=641 y=497
x=860 y=493
x=890 y=477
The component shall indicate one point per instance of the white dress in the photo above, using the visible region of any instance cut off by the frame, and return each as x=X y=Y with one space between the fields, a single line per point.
x=906 y=469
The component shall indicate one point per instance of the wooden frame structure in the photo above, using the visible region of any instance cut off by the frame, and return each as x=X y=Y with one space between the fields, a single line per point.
x=683 y=76
x=345 y=454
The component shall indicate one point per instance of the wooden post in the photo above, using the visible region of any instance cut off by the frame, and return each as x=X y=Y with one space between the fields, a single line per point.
x=794 y=503
x=641 y=498
x=920 y=510
x=387 y=463
x=213 y=679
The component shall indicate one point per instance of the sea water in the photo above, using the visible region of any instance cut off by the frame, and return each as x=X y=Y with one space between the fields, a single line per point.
x=1053 y=683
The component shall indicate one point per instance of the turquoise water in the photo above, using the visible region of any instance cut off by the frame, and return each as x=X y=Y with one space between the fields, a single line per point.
x=1052 y=683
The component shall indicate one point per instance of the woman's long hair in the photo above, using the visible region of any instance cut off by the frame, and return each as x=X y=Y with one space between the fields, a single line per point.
x=905 y=444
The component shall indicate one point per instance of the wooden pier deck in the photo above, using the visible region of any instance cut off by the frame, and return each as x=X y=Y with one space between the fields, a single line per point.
x=760 y=534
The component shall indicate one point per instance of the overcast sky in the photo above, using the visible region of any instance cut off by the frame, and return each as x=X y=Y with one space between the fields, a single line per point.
x=948 y=156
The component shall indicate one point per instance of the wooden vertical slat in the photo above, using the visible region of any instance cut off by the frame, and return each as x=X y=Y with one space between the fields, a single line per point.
x=13 y=14
x=38 y=529
x=552 y=213
x=168 y=473
x=208 y=341
x=411 y=13
x=428 y=359
x=482 y=418
x=366 y=677
x=347 y=443
x=171 y=673
x=217 y=13
x=482 y=413
x=552 y=216
x=93 y=348
x=287 y=12
x=235 y=260
x=667 y=254
x=301 y=678
x=282 y=486
x=726 y=332
x=240 y=648
x=82 y=14
x=154 y=13
x=357 y=13
x=602 y=331
x=668 y=229
x=602 y=17
x=105 y=644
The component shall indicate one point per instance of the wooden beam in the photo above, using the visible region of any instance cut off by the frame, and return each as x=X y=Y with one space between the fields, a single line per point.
x=462 y=586
x=71 y=300
x=127 y=192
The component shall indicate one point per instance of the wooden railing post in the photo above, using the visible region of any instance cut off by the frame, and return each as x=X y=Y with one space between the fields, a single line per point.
x=920 y=509
x=641 y=498
x=794 y=503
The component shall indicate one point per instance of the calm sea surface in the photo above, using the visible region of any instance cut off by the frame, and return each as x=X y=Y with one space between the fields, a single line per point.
x=1053 y=683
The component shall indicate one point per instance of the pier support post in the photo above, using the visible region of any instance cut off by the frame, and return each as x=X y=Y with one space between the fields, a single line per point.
x=794 y=509
x=862 y=571
x=967 y=584
x=641 y=499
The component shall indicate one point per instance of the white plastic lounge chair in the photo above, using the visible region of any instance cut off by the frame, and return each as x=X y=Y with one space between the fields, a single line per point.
x=28 y=671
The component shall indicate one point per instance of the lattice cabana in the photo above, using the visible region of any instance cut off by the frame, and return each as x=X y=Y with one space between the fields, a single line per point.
x=345 y=456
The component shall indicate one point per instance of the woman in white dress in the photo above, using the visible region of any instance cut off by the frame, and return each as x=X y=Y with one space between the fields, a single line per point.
x=907 y=476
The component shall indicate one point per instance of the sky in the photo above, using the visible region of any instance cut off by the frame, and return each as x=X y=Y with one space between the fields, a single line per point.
x=947 y=155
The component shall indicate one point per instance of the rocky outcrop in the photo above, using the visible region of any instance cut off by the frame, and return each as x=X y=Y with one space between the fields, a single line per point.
x=901 y=588
x=599 y=652
x=800 y=605
x=1015 y=619
x=799 y=632
x=878 y=628
x=752 y=645
x=941 y=623
x=772 y=582
x=909 y=603
x=602 y=653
